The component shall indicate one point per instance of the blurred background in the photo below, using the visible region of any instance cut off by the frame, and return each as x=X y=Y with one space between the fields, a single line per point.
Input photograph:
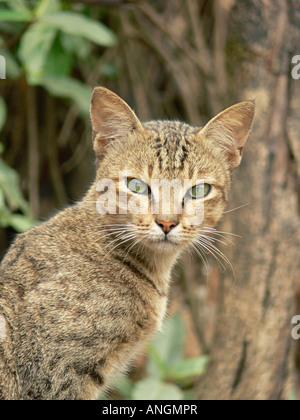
x=229 y=331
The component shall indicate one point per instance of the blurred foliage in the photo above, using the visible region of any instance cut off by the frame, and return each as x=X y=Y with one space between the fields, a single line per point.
x=42 y=42
x=49 y=38
x=14 y=210
x=169 y=376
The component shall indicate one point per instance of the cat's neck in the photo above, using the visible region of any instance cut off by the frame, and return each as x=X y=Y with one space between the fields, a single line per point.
x=163 y=265
x=153 y=263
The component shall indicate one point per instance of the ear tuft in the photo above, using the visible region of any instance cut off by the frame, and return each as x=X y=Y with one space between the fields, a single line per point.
x=229 y=130
x=111 y=118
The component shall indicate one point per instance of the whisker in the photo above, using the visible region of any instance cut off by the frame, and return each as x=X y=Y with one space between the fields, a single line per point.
x=210 y=238
x=207 y=241
x=124 y=236
x=218 y=235
x=119 y=244
x=202 y=257
x=214 y=250
x=117 y=234
x=209 y=249
x=237 y=208
x=119 y=237
x=219 y=232
x=137 y=240
x=123 y=225
x=112 y=230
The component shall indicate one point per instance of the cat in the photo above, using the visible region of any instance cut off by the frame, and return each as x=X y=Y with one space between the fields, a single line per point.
x=81 y=293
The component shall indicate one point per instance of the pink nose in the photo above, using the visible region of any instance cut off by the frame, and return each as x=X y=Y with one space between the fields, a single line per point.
x=166 y=225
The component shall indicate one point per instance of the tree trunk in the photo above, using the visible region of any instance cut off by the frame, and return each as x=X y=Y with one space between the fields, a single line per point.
x=253 y=352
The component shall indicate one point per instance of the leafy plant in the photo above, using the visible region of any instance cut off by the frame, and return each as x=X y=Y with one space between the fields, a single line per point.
x=44 y=43
x=169 y=375
x=49 y=39
x=14 y=210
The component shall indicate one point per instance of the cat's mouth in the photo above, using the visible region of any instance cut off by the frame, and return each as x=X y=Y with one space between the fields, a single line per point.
x=166 y=241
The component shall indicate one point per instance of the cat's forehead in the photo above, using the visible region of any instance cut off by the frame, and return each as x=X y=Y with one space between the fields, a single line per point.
x=170 y=130
x=171 y=141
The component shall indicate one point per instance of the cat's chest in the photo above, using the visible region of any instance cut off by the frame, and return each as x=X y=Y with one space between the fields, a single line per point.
x=161 y=313
x=158 y=302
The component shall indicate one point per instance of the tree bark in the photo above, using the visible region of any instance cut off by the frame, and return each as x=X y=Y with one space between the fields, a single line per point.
x=253 y=352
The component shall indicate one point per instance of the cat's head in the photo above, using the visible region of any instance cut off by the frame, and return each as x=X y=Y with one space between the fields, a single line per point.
x=166 y=181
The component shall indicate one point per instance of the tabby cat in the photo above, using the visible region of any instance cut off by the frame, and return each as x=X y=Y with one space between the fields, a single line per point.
x=82 y=293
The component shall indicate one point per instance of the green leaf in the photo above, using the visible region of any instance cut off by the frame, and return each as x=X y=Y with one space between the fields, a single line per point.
x=34 y=48
x=11 y=28
x=14 y=16
x=189 y=395
x=3 y=113
x=77 y=45
x=76 y=24
x=156 y=366
x=18 y=222
x=124 y=386
x=166 y=350
x=18 y=5
x=47 y=6
x=2 y=203
x=21 y=223
x=9 y=183
x=154 y=389
x=4 y=218
x=189 y=368
x=67 y=87
x=58 y=61
x=11 y=201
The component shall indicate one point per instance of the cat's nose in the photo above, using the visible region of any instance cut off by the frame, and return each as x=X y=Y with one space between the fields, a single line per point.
x=166 y=225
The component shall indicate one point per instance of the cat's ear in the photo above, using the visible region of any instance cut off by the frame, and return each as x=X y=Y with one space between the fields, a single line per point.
x=112 y=119
x=229 y=130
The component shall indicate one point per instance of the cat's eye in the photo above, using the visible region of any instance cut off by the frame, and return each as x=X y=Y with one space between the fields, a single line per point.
x=199 y=191
x=137 y=186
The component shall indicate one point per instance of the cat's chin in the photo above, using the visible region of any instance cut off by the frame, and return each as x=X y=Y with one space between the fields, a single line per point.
x=164 y=245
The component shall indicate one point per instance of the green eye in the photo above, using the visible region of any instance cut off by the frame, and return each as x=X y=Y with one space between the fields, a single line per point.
x=137 y=186
x=199 y=191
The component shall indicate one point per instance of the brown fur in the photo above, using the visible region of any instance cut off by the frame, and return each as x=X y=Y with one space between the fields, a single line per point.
x=77 y=304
